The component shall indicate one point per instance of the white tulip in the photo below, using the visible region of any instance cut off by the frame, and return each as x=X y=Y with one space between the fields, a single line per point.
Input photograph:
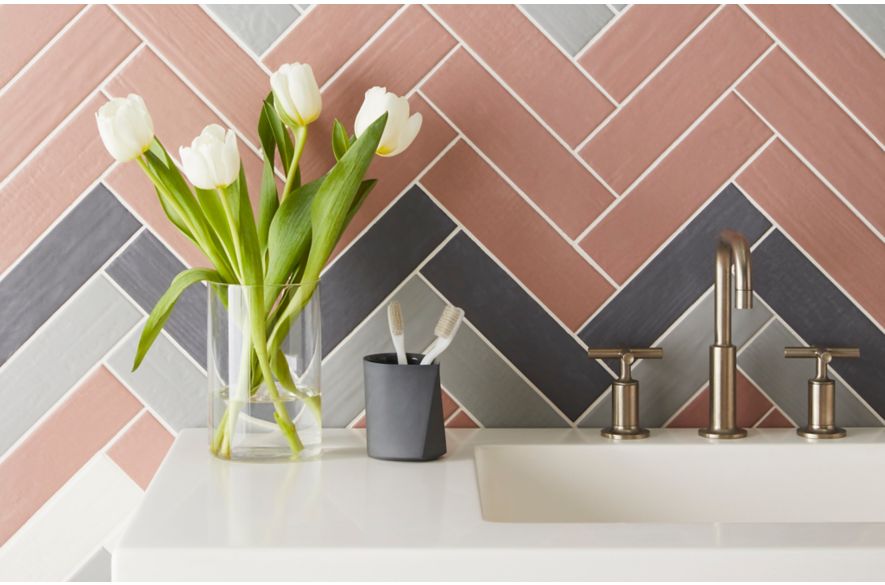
x=400 y=130
x=212 y=161
x=296 y=95
x=125 y=127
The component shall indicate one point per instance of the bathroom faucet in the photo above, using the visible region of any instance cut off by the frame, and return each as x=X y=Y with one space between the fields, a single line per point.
x=731 y=249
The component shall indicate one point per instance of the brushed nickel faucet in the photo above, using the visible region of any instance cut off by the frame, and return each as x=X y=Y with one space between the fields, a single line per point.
x=731 y=250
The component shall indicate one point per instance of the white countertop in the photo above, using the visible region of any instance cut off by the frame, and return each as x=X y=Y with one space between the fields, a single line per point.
x=347 y=516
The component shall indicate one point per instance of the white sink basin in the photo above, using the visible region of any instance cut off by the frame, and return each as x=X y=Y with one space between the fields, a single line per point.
x=648 y=482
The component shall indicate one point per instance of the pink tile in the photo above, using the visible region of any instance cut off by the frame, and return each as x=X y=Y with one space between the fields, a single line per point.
x=361 y=423
x=675 y=97
x=809 y=120
x=141 y=449
x=514 y=140
x=776 y=420
x=807 y=210
x=501 y=219
x=76 y=64
x=50 y=182
x=751 y=406
x=60 y=445
x=835 y=53
x=461 y=421
x=207 y=57
x=449 y=405
x=538 y=72
x=25 y=29
x=667 y=197
x=328 y=35
x=414 y=33
x=655 y=29
x=396 y=174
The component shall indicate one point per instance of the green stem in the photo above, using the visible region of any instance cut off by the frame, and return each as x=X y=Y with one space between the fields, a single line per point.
x=300 y=141
x=234 y=232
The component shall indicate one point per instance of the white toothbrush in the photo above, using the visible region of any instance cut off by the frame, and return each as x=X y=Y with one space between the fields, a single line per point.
x=397 y=331
x=445 y=331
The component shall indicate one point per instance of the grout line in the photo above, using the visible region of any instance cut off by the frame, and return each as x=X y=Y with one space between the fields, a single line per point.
x=602 y=32
x=235 y=38
x=439 y=65
x=566 y=54
x=811 y=167
x=491 y=72
x=682 y=227
x=811 y=75
x=43 y=50
x=571 y=243
x=758 y=332
x=283 y=35
x=69 y=118
x=811 y=259
x=393 y=202
x=503 y=357
x=356 y=328
x=187 y=83
x=764 y=415
x=356 y=420
x=649 y=77
x=364 y=47
x=503 y=267
x=686 y=404
x=859 y=30
x=739 y=369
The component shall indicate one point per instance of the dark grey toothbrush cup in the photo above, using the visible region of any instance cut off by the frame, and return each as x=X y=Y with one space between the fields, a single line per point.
x=404 y=417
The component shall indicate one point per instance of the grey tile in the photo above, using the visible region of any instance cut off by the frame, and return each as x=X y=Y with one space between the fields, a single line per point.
x=342 y=374
x=96 y=569
x=257 y=25
x=145 y=270
x=511 y=320
x=820 y=314
x=646 y=307
x=59 y=265
x=870 y=18
x=572 y=25
x=665 y=385
x=619 y=7
x=61 y=353
x=786 y=381
x=378 y=262
x=167 y=381
x=489 y=388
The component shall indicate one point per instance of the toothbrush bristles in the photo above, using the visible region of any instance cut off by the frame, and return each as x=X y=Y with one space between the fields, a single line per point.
x=395 y=317
x=448 y=321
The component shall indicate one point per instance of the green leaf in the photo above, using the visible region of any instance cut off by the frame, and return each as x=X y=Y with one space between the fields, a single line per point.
x=364 y=190
x=289 y=236
x=340 y=140
x=164 y=306
x=253 y=272
x=268 y=202
x=278 y=129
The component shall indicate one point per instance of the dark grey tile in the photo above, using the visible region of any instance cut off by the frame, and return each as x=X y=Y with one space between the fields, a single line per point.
x=571 y=25
x=821 y=315
x=378 y=262
x=59 y=265
x=517 y=326
x=675 y=279
x=145 y=270
x=257 y=25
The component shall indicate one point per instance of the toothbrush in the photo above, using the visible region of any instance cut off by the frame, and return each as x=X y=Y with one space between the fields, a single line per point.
x=445 y=331
x=397 y=328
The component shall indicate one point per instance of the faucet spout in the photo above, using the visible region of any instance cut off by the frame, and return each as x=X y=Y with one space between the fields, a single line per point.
x=732 y=251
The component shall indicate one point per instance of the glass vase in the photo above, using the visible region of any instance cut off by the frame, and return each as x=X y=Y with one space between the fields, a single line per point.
x=264 y=360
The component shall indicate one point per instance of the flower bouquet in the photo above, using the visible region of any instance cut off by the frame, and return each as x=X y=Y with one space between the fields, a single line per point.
x=264 y=352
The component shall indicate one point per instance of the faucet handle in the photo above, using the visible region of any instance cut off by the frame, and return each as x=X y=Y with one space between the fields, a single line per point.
x=821 y=391
x=625 y=391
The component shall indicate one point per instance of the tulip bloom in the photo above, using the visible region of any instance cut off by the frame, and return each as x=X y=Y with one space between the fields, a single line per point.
x=400 y=130
x=212 y=161
x=296 y=94
x=125 y=127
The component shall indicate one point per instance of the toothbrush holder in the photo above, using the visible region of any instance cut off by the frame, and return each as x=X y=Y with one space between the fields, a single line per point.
x=404 y=416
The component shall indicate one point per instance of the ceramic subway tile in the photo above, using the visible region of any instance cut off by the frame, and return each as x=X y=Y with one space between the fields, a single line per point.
x=256 y=25
x=675 y=97
x=487 y=206
x=386 y=255
x=61 y=353
x=516 y=325
x=751 y=407
x=658 y=29
x=140 y=450
x=59 y=265
x=96 y=569
x=145 y=270
x=870 y=18
x=572 y=25
x=25 y=29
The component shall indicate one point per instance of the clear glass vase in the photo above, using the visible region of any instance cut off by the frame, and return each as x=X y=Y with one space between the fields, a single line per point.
x=264 y=359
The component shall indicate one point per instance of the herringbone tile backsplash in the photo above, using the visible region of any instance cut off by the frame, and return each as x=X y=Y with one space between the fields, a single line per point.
x=574 y=166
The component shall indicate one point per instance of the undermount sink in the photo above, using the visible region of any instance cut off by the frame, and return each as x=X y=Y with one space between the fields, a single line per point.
x=690 y=482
